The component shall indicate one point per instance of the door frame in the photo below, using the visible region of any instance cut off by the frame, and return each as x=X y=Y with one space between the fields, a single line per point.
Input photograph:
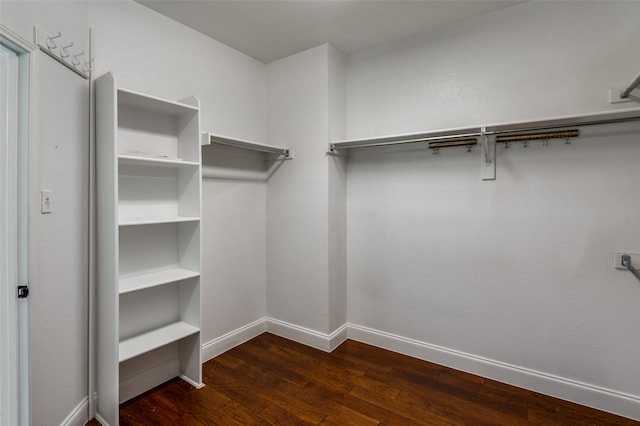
x=26 y=135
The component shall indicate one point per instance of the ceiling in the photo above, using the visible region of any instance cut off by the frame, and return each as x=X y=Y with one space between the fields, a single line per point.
x=268 y=30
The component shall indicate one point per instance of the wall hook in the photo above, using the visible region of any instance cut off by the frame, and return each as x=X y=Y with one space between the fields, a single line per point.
x=75 y=61
x=52 y=44
x=88 y=66
x=435 y=151
x=63 y=50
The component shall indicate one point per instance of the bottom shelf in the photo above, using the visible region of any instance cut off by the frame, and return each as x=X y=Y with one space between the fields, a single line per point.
x=146 y=342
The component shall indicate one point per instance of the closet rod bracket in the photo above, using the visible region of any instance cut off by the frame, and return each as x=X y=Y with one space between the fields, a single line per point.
x=488 y=157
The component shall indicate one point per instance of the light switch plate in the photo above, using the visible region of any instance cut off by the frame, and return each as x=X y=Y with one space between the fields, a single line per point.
x=45 y=201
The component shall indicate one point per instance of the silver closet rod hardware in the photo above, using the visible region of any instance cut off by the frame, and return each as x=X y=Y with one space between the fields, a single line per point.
x=626 y=262
x=625 y=93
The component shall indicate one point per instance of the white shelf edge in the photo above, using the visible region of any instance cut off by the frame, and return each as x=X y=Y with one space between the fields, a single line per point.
x=212 y=139
x=154 y=279
x=474 y=131
x=139 y=100
x=154 y=339
x=153 y=161
x=156 y=220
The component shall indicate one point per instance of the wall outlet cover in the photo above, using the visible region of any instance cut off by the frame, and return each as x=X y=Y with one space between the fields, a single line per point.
x=617 y=259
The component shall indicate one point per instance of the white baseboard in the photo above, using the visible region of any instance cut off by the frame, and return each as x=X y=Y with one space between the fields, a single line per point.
x=324 y=342
x=79 y=416
x=219 y=345
x=581 y=393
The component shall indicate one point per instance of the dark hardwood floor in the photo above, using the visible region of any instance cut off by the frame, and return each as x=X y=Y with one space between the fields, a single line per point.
x=273 y=381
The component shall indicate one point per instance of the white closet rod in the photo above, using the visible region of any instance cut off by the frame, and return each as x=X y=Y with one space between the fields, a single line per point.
x=497 y=129
x=211 y=139
x=625 y=93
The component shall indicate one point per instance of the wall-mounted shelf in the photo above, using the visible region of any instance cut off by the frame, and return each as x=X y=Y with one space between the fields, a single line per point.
x=483 y=132
x=156 y=220
x=494 y=129
x=213 y=139
x=156 y=278
x=156 y=338
x=154 y=161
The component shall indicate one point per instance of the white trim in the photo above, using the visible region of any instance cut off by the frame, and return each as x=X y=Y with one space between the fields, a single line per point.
x=571 y=390
x=9 y=217
x=230 y=340
x=78 y=417
x=26 y=145
x=17 y=39
x=324 y=342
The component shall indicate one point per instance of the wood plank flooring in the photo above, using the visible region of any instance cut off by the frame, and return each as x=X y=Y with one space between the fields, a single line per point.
x=273 y=381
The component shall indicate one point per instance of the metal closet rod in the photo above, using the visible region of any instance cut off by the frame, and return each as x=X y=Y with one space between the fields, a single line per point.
x=625 y=93
x=538 y=125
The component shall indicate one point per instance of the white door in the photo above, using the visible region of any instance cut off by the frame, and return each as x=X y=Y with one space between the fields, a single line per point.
x=8 y=236
x=14 y=387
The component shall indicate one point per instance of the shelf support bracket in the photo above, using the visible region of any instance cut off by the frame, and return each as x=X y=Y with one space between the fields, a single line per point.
x=488 y=157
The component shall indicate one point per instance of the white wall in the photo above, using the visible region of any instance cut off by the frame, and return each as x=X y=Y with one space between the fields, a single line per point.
x=297 y=225
x=531 y=60
x=337 y=207
x=58 y=261
x=518 y=271
x=234 y=253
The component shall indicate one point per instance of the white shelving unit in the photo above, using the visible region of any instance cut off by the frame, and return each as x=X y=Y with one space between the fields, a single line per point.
x=148 y=293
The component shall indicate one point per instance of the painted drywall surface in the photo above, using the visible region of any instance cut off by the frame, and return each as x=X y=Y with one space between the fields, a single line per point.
x=68 y=17
x=58 y=268
x=297 y=201
x=337 y=207
x=153 y=54
x=532 y=60
x=518 y=270
x=59 y=291
x=234 y=213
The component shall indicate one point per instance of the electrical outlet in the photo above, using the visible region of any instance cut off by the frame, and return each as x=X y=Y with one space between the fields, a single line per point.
x=45 y=201
x=617 y=259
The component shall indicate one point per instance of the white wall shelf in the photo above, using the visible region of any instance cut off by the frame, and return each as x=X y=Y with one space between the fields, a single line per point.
x=213 y=139
x=154 y=161
x=484 y=132
x=156 y=278
x=493 y=129
x=157 y=220
x=146 y=342
x=148 y=200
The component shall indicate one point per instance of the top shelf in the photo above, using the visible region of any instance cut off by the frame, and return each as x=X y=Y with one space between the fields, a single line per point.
x=493 y=129
x=213 y=139
x=154 y=104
